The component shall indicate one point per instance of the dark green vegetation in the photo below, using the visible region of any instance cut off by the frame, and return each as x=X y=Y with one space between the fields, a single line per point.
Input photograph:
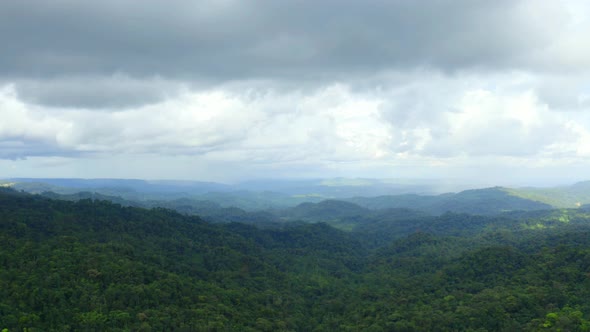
x=93 y=265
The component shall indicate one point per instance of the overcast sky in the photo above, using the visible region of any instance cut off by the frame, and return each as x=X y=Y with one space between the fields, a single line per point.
x=230 y=90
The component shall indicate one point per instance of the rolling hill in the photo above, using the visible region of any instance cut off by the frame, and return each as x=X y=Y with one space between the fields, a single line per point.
x=477 y=201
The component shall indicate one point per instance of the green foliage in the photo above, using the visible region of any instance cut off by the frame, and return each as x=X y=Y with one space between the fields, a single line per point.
x=93 y=265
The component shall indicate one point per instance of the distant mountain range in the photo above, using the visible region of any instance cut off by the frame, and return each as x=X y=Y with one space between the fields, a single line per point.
x=306 y=199
x=325 y=188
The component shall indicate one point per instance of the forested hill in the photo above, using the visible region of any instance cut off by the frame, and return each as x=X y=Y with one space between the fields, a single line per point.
x=477 y=201
x=562 y=197
x=325 y=210
x=98 y=266
x=94 y=265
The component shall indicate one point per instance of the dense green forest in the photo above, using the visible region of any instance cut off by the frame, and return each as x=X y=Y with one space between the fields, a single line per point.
x=95 y=265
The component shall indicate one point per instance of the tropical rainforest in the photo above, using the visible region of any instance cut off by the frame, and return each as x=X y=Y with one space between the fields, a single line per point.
x=474 y=261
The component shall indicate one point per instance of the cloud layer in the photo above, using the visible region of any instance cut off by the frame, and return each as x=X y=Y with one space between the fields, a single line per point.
x=254 y=88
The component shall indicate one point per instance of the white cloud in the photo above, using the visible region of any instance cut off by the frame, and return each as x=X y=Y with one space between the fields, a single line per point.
x=443 y=117
x=486 y=123
x=331 y=124
x=24 y=127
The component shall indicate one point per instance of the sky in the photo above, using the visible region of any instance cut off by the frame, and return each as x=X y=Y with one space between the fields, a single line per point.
x=233 y=90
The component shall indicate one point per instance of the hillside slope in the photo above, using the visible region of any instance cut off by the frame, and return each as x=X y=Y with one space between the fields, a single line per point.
x=477 y=201
x=572 y=196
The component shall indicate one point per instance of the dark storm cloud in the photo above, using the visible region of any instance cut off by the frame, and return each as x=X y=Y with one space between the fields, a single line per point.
x=111 y=92
x=62 y=52
x=227 y=40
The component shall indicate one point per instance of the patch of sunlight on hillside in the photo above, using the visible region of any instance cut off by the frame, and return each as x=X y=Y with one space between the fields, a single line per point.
x=557 y=216
x=563 y=216
x=537 y=226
